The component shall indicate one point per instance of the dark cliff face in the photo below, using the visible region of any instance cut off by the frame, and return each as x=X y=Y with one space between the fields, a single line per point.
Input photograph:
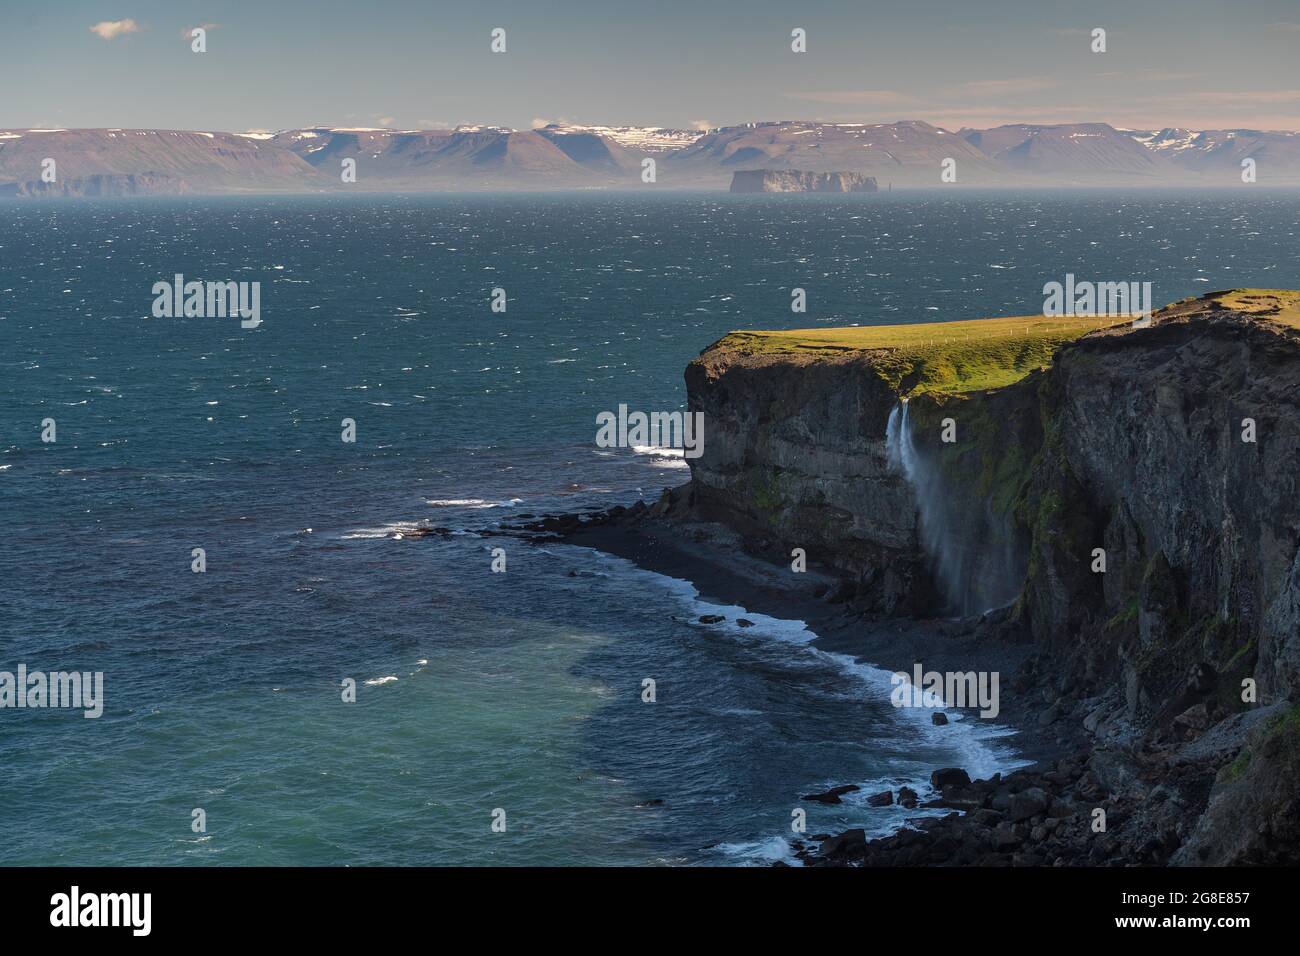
x=976 y=542
x=1201 y=529
x=1131 y=443
x=135 y=184
x=1190 y=639
x=794 y=457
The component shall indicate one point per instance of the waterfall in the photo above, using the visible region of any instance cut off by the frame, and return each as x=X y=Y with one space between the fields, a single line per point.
x=940 y=550
x=974 y=564
x=899 y=447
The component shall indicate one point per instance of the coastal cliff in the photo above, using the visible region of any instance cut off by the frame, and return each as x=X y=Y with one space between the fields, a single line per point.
x=133 y=184
x=795 y=457
x=800 y=181
x=1120 y=501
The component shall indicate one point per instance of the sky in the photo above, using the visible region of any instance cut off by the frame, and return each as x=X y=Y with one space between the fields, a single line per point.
x=403 y=64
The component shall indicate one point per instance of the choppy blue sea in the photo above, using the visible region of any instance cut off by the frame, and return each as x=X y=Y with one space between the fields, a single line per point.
x=476 y=691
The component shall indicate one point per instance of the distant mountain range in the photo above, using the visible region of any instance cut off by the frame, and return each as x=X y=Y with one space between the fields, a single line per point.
x=560 y=156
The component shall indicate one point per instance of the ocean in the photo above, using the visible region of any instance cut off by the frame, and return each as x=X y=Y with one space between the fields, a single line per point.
x=480 y=696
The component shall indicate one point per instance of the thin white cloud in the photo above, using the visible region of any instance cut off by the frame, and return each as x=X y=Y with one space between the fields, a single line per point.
x=892 y=99
x=988 y=103
x=1020 y=84
x=1249 y=97
x=703 y=125
x=1272 y=110
x=110 y=29
x=854 y=97
x=188 y=32
x=1148 y=75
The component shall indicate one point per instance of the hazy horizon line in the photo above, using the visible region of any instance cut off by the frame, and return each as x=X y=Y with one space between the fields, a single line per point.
x=437 y=128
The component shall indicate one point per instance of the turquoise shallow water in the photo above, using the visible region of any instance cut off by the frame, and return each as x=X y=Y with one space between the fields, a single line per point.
x=518 y=691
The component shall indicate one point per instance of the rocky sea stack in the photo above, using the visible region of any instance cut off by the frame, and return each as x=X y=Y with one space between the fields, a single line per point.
x=800 y=181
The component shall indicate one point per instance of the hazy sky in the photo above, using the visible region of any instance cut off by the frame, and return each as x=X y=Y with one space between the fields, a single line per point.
x=273 y=64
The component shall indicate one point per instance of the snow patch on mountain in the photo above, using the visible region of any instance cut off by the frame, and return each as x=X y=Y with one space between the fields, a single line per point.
x=646 y=139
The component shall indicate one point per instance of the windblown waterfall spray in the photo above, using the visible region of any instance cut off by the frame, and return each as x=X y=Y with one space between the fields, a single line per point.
x=967 y=588
x=900 y=449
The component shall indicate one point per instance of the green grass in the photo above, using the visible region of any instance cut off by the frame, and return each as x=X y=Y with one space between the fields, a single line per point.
x=1276 y=305
x=949 y=357
x=1285 y=726
x=1237 y=769
x=1126 y=617
x=981 y=354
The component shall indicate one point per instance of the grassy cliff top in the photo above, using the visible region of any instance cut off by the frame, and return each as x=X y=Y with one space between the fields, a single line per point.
x=1276 y=305
x=980 y=354
x=933 y=356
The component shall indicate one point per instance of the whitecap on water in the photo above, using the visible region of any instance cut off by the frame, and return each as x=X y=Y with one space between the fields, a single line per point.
x=383 y=531
x=662 y=456
x=472 y=503
x=760 y=852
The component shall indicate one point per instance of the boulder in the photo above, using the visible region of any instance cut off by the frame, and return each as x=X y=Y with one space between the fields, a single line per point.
x=847 y=842
x=1005 y=836
x=1026 y=804
x=832 y=795
x=960 y=797
x=949 y=776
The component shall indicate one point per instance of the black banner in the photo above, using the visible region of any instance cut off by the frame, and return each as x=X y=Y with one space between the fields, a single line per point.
x=963 y=905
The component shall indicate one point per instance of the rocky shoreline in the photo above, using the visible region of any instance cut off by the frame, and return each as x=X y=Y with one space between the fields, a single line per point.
x=1023 y=808
x=1085 y=800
